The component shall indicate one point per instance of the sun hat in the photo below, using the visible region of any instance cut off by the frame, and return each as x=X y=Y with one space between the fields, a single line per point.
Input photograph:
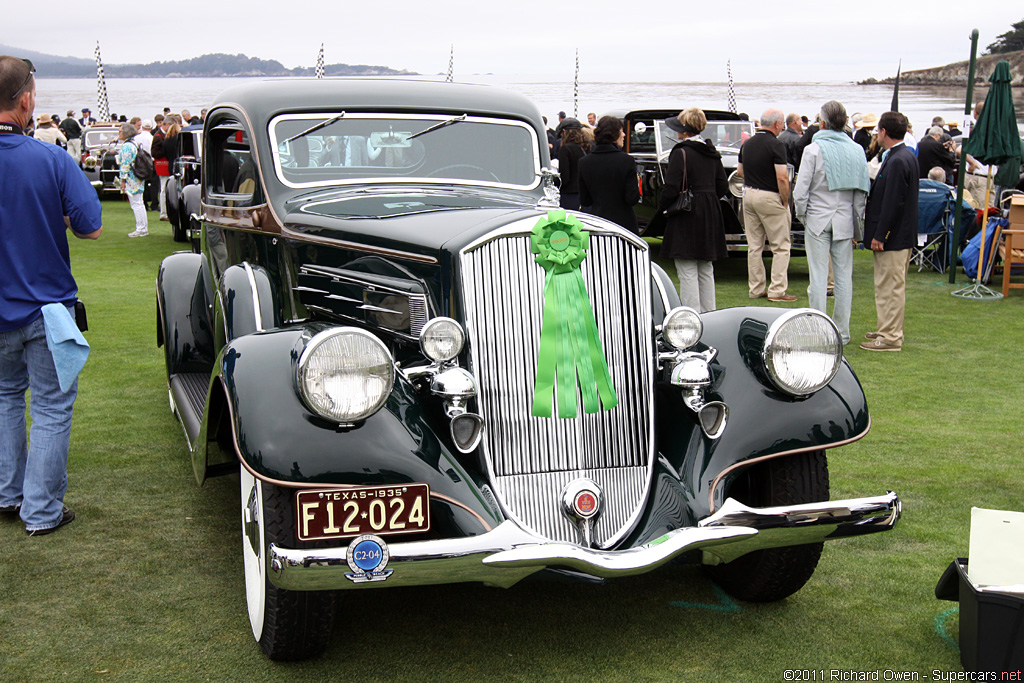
x=45 y=118
x=674 y=123
x=869 y=121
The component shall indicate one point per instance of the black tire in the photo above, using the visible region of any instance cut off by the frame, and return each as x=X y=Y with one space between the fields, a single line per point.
x=775 y=573
x=294 y=625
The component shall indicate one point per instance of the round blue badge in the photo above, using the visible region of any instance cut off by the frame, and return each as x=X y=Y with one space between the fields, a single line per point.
x=367 y=555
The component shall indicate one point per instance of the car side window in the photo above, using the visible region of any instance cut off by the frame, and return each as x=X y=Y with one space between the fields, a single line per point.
x=231 y=175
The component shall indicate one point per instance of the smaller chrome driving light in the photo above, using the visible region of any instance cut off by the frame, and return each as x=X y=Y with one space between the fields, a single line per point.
x=467 y=429
x=682 y=328
x=442 y=339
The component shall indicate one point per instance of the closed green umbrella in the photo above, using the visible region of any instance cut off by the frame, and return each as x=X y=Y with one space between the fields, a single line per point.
x=995 y=139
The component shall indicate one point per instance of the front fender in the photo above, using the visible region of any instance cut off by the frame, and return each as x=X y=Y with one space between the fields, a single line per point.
x=763 y=421
x=182 y=323
x=279 y=440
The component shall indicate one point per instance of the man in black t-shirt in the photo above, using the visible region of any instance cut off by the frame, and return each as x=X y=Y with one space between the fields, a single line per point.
x=762 y=164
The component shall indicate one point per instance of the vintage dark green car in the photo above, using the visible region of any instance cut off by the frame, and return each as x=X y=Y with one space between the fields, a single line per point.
x=424 y=372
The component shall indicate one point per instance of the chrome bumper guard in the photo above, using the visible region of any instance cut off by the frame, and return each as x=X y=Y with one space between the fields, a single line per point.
x=508 y=554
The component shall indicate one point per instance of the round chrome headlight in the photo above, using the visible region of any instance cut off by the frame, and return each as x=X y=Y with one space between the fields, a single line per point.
x=736 y=184
x=345 y=374
x=682 y=328
x=802 y=351
x=442 y=339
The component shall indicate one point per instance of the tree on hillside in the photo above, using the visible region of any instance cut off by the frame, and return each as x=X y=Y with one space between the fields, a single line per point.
x=1011 y=41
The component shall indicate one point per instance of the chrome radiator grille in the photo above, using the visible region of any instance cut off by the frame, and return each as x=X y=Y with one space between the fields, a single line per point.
x=532 y=458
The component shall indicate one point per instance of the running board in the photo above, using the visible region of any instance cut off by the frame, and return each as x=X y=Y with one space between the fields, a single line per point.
x=188 y=396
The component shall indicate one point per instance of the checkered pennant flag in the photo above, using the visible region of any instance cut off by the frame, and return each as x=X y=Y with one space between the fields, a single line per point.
x=320 y=62
x=451 y=65
x=102 y=103
x=576 y=87
x=732 y=90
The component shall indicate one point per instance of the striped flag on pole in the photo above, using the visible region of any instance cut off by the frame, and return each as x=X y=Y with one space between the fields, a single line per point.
x=320 y=62
x=732 y=90
x=102 y=103
x=576 y=88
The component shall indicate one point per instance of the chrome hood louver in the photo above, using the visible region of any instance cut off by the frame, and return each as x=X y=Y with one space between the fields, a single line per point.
x=531 y=459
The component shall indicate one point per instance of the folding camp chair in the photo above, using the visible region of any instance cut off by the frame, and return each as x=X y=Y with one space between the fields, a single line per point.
x=935 y=202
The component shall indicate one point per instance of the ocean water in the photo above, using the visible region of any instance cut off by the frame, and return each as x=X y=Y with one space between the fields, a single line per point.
x=146 y=97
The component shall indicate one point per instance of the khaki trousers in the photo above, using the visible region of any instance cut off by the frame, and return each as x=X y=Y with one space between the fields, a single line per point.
x=765 y=217
x=891 y=294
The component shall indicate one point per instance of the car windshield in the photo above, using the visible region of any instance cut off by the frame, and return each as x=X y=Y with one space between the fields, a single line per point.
x=382 y=148
x=100 y=138
x=724 y=134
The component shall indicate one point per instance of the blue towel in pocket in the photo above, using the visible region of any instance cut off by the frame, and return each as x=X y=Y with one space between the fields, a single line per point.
x=66 y=343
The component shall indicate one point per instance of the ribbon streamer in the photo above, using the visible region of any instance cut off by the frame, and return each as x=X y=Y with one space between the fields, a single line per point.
x=570 y=349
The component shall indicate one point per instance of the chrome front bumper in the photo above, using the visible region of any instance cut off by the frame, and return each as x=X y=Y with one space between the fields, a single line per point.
x=507 y=554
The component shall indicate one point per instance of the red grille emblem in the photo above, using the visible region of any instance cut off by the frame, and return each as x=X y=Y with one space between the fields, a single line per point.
x=586 y=503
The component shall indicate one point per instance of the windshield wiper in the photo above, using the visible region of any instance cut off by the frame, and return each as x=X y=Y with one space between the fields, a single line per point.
x=442 y=124
x=322 y=124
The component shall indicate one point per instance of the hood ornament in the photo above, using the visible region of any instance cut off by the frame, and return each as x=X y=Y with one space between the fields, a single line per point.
x=551 y=193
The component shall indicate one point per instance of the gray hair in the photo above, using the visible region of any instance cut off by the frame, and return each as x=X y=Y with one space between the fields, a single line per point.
x=127 y=131
x=937 y=174
x=935 y=132
x=833 y=115
x=771 y=117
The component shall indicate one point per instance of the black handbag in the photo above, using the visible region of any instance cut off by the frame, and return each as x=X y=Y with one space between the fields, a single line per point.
x=684 y=202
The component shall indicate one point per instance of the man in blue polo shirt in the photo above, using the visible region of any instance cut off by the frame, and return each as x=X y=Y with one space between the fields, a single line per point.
x=42 y=193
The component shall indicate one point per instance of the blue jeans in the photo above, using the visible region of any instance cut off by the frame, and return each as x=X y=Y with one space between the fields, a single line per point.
x=33 y=473
x=819 y=249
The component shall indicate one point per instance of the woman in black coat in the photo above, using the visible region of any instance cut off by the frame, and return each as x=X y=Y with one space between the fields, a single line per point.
x=607 y=176
x=573 y=148
x=696 y=237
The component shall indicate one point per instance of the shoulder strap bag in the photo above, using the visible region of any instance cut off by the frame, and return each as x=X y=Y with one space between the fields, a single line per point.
x=685 y=200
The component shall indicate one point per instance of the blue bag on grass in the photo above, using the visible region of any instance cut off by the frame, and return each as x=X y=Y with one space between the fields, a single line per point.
x=969 y=256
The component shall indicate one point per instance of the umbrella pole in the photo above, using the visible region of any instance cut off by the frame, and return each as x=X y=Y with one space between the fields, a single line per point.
x=984 y=222
x=977 y=290
x=962 y=175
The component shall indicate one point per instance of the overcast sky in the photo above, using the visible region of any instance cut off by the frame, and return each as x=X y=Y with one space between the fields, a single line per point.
x=643 y=41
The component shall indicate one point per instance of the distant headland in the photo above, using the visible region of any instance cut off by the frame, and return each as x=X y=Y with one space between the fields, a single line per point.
x=956 y=74
x=206 y=66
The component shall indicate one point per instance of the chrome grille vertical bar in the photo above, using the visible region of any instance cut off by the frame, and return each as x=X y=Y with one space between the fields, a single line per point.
x=530 y=459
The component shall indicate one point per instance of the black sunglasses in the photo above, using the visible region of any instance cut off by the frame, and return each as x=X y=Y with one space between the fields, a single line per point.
x=31 y=70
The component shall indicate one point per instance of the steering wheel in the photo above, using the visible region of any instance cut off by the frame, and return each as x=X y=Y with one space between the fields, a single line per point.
x=483 y=171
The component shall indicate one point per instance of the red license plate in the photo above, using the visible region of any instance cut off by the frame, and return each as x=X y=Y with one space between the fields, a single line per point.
x=345 y=513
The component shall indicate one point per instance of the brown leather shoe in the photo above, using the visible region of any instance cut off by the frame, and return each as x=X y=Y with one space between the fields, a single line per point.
x=66 y=517
x=878 y=345
x=759 y=296
x=784 y=297
x=871 y=335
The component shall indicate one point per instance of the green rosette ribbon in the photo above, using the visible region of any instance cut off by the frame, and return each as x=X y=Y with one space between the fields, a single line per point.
x=569 y=344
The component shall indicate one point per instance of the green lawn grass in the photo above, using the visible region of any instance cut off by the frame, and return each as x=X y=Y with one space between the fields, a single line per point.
x=146 y=584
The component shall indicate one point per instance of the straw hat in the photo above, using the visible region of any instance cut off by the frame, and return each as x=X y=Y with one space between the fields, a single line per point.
x=868 y=121
x=45 y=119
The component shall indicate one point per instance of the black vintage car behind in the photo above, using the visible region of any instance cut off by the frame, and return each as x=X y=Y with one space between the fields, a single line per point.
x=182 y=188
x=421 y=371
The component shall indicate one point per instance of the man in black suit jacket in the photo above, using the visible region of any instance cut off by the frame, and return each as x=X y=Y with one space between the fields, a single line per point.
x=890 y=228
x=932 y=152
